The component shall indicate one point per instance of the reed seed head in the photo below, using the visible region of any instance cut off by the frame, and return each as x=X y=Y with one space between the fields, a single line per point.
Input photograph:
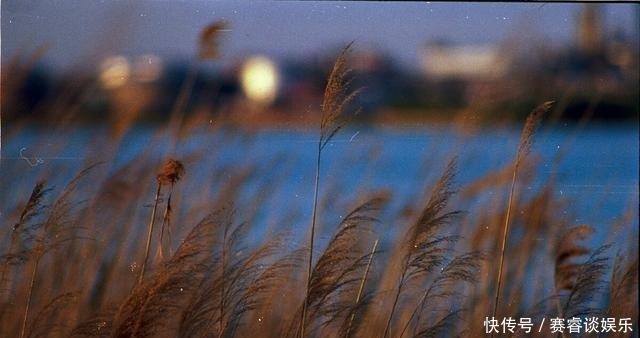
x=209 y=40
x=171 y=172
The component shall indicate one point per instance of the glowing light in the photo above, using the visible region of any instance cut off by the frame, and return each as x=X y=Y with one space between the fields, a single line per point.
x=114 y=72
x=259 y=77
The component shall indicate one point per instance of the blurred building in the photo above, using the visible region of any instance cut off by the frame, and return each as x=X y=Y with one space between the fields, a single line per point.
x=600 y=63
x=460 y=74
x=442 y=60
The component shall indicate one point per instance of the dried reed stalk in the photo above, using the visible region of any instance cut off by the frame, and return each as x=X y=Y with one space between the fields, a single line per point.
x=361 y=288
x=171 y=172
x=49 y=234
x=337 y=273
x=166 y=223
x=149 y=234
x=524 y=147
x=207 y=50
x=463 y=268
x=32 y=209
x=32 y=282
x=336 y=99
x=423 y=250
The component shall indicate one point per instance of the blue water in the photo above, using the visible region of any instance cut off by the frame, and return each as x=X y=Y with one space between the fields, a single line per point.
x=597 y=175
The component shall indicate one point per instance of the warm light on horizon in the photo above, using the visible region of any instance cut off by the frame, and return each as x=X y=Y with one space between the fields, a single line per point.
x=259 y=78
x=114 y=72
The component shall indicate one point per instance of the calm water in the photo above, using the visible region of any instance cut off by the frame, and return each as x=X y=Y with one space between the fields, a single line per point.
x=598 y=173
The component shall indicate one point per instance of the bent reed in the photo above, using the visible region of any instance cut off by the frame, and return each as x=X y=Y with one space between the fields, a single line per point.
x=77 y=262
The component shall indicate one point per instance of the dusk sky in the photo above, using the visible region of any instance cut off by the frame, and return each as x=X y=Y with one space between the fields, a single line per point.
x=84 y=32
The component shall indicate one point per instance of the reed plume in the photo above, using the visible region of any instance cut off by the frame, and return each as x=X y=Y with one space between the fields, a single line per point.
x=57 y=229
x=171 y=173
x=34 y=205
x=208 y=49
x=100 y=326
x=339 y=268
x=209 y=42
x=46 y=322
x=588 y=285
x=337 y=98
x=568 y=249
x=153 y=306
x=582 y=280
x=17 y=252
x=623 y=291
x=441 y=327
x=234 y=285
x=423 y=249
x=462 y=268
x=524 y=147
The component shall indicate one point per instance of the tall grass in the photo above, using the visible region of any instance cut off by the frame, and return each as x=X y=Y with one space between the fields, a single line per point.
x=524 y=147
x=171 y=172
x=369 y=264
x=337 y=98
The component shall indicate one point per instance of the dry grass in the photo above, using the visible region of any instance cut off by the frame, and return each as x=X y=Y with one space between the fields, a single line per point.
x=524 y=147
x=376 y=269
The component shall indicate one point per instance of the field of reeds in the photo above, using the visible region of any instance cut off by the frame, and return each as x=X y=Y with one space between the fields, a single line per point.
x=198 y=233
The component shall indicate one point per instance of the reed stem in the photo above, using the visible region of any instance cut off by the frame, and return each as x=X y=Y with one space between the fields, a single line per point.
x=361 y=288
x=166 y=222
x=32 y=283
x=222 y=273
x=524 y=146
x=149 y=235
x=505 y=237
x=313 y=230
x=393 y=307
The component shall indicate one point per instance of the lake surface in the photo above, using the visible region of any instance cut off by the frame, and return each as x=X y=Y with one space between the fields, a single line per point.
x=597 y=172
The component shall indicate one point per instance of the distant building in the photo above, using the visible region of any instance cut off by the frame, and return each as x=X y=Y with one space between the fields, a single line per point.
x=441 y=61
x=460 y=74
